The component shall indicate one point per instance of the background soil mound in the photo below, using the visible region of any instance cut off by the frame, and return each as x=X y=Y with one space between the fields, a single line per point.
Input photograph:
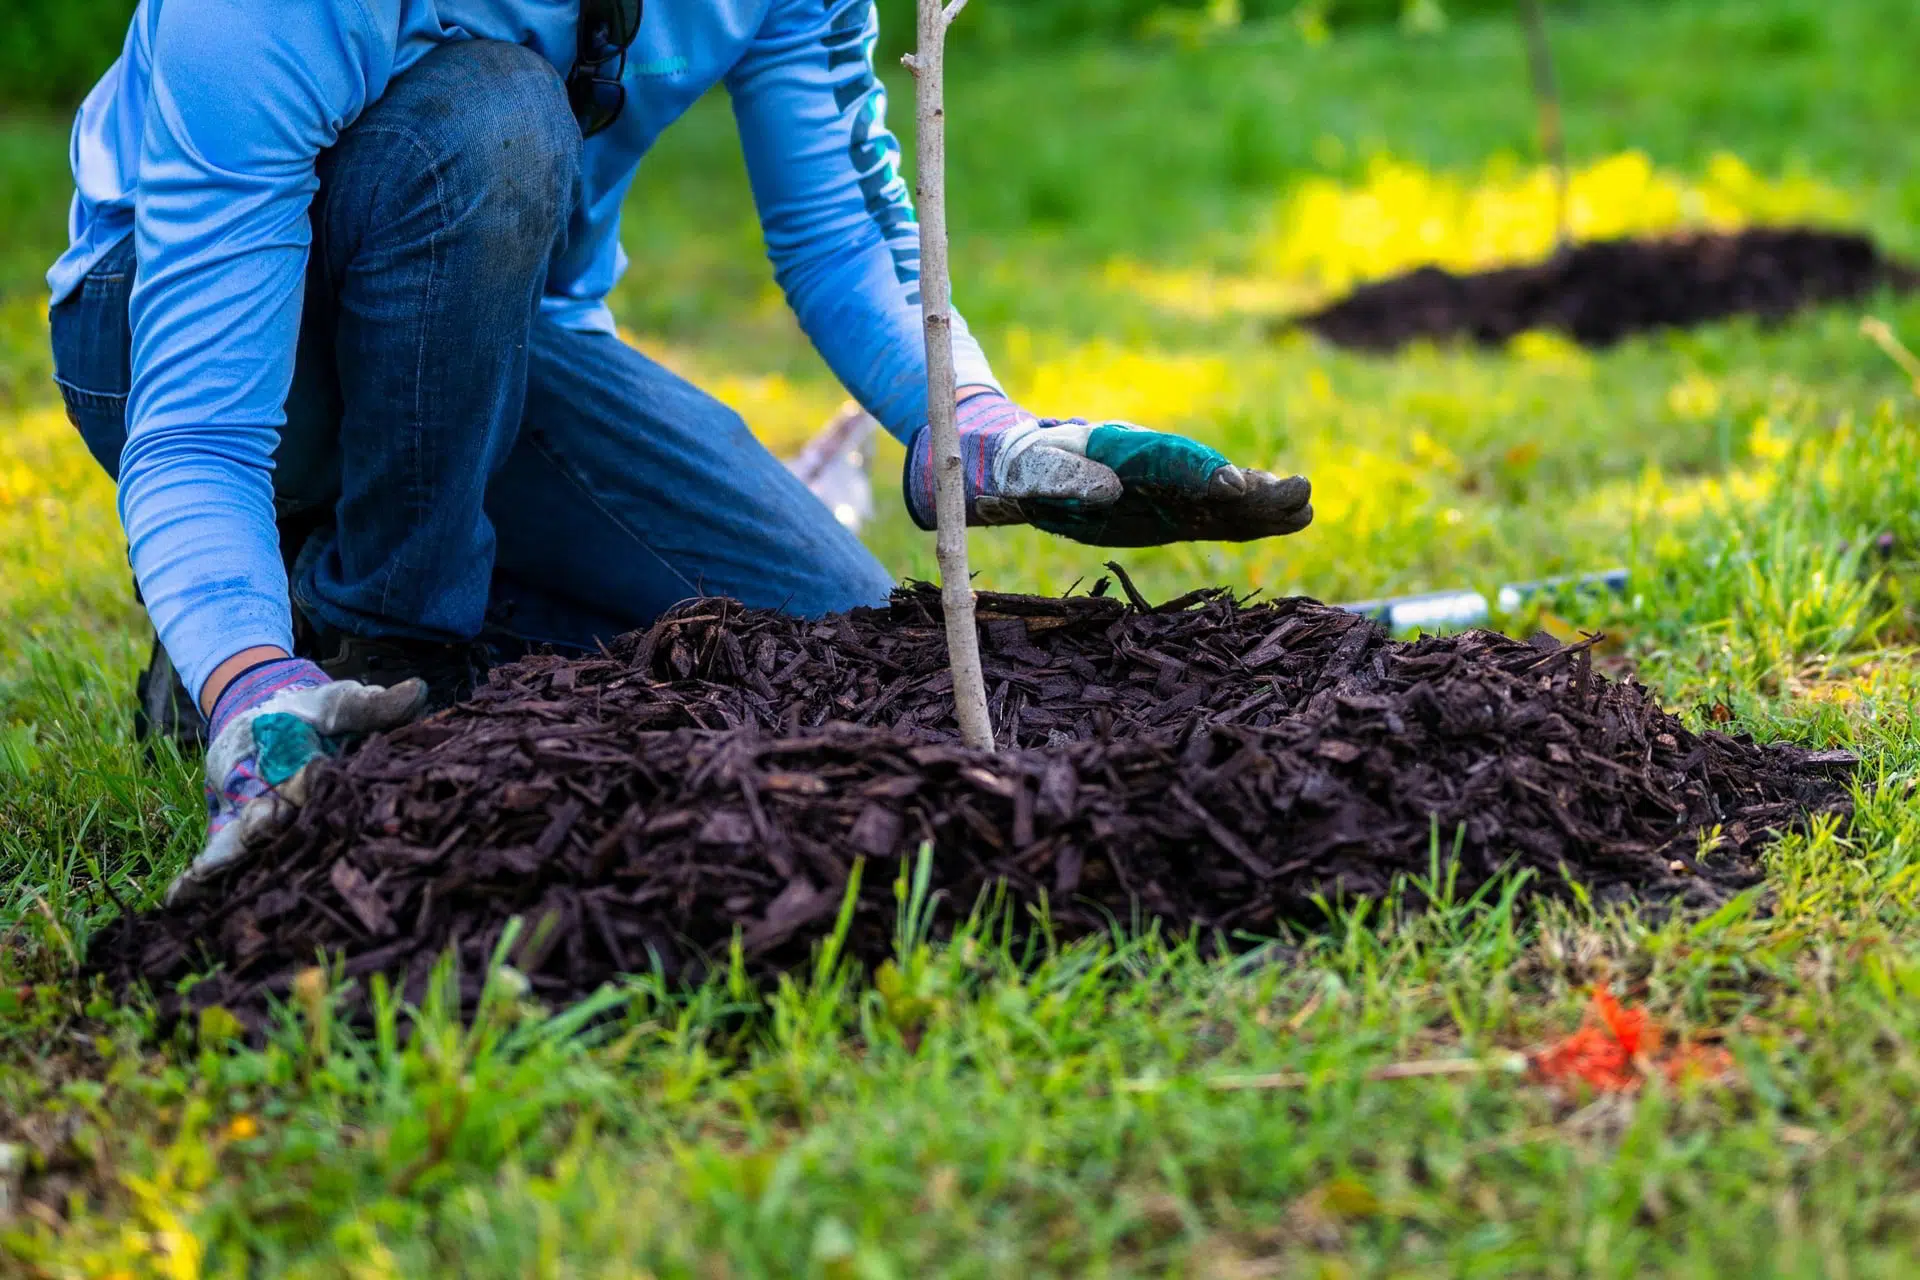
x=1601 y=292
x=1210 y=764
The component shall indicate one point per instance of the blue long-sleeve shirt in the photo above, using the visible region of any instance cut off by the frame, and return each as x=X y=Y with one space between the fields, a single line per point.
x=202 y=141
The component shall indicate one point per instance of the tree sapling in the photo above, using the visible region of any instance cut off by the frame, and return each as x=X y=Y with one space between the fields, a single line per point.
x=936 y=303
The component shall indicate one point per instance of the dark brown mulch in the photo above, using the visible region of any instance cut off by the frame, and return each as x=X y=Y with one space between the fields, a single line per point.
x=1210 y=764
x=1601 y=292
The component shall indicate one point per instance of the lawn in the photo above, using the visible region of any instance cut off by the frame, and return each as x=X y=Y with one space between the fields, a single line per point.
x=1130 y=223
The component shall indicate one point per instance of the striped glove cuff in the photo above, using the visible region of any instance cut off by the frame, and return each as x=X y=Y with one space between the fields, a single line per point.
x=257 y=683
x=988 y=424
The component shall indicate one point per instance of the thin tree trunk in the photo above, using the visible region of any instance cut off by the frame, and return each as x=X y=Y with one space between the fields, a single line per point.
x=1546 y=94
x=936 y=303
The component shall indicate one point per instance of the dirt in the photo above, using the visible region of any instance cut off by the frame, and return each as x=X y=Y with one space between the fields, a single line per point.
x=1210 y=763
x=1601 y=292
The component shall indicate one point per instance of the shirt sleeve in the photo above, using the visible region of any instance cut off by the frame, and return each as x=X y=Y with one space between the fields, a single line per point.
x=839 y=222
x=243 y=98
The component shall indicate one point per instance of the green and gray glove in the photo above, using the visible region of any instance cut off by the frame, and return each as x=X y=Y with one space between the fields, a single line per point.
x=1110 y=484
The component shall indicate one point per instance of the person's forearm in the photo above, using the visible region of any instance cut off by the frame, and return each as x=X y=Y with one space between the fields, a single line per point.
x=201 y=536
x=873 y=340
x=839 y=223
x=226 y=186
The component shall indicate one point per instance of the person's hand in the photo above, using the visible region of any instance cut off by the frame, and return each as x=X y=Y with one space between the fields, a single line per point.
x=1110 y=484
x=267 y=729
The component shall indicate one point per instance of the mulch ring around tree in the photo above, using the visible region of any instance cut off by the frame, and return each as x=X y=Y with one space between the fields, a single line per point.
x=1601 y=292
x=1209 y=763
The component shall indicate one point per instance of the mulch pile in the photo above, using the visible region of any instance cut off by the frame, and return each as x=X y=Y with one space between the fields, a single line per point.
x=1208 y=763
x=1601 y=292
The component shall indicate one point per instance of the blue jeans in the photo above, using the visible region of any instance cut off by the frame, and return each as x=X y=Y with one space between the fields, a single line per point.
x=454 y=463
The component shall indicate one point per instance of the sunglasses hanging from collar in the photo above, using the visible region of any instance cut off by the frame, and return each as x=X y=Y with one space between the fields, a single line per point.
x=594 y=87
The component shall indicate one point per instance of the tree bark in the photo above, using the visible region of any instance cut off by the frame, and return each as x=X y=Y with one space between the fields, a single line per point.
x=936 y=304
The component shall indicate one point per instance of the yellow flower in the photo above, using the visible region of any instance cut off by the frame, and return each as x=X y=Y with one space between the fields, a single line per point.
x=1550 y=350
x=1765 y=443
x=1695 y=397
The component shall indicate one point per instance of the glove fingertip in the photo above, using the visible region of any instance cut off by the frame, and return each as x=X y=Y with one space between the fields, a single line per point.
x=1280 y=491
x=405 y=700
x=364 y=708
x=1227 y=481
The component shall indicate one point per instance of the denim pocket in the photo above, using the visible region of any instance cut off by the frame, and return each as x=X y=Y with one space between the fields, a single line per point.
x=93 y=355
x=102 y=423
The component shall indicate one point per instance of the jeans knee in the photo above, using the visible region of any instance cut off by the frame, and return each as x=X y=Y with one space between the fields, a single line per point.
x=493 y=122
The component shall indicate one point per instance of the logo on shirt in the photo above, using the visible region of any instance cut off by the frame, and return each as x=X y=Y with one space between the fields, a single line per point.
x=661 y=68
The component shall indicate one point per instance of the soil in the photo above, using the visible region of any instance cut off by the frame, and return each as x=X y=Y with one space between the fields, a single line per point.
x=1213 y=764
x=1601 y=292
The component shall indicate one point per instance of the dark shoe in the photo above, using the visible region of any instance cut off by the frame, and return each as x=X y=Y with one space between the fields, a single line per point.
x=163 y=709
x=452 y=671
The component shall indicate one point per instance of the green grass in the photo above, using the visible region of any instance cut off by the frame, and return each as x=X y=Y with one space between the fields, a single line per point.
x=970 y=1111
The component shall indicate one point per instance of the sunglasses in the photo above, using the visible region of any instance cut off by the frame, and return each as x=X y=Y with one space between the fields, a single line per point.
x=594 y=86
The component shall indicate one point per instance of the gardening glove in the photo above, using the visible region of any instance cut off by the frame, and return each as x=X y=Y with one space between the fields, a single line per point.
x=1110 y=484
x=268 y=728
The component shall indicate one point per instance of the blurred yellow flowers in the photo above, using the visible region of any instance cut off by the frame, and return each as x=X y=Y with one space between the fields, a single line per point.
x=1402 y=215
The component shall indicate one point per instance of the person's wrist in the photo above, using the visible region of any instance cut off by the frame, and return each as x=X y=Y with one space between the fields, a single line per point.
x=230 y=669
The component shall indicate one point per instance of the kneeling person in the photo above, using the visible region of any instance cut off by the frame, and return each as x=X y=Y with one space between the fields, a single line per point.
x=334 y=318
